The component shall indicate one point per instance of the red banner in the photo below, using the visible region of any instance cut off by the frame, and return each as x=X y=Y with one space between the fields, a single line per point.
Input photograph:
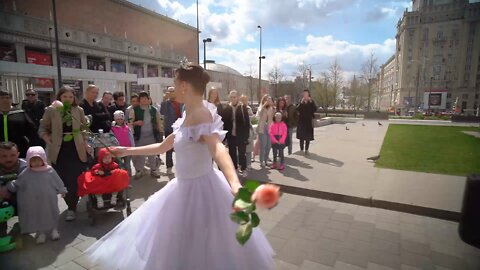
x=43 y=83
x=38 y=58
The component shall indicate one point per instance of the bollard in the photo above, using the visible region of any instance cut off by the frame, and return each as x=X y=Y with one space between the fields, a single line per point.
x=469 y=226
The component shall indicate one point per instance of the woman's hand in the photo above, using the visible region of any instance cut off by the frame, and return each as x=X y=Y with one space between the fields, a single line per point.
x=47 y=138
x=235 y=188
x=118 y=151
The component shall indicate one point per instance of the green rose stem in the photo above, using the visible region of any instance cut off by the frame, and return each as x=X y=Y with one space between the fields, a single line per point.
x=244 y=211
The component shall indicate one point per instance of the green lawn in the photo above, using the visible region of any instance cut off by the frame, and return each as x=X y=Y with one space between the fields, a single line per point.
x=432 y=149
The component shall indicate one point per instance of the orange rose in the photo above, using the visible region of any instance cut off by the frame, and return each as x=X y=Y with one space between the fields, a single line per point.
x=266 y=196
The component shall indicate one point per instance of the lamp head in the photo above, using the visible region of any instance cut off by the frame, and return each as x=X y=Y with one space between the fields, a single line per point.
x=207 y=40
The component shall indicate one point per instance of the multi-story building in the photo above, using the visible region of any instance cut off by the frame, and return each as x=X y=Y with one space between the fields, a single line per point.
x=110 y=43
x=438 y=55
x=388 y=85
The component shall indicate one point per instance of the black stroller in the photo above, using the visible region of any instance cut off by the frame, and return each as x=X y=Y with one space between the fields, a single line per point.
x=99 y=141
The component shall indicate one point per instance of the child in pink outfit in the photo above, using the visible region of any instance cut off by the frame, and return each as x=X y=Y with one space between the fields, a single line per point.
x=278 y=134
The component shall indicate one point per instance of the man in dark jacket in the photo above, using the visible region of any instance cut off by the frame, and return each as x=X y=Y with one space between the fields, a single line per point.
x=171 y=111
x=15 y=125
x=34 y=109
x=100 y=117
x=119 y=103
x=237 y=122
x=292 y=119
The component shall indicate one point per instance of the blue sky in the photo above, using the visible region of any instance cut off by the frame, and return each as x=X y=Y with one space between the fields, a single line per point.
x=295 y=32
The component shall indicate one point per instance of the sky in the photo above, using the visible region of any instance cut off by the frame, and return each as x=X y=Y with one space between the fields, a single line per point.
x=294 y=32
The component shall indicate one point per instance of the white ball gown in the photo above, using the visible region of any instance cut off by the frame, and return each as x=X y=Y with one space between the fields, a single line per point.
x=185 y=225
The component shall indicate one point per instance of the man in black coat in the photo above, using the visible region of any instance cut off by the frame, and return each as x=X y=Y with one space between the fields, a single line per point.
x=237 y=123
x=34 y=108
x=119 y=103
x=100 y=116
x=15 y=126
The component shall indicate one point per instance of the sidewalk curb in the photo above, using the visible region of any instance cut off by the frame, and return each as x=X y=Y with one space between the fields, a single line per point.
x=400 y=207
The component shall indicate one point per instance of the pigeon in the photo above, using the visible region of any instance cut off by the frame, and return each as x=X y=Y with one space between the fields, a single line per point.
x=363 y=124
x=346 y=128
x=374 y=158
x=380 y=124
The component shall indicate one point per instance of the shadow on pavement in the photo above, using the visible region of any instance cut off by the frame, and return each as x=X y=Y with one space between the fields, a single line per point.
x=324 y=160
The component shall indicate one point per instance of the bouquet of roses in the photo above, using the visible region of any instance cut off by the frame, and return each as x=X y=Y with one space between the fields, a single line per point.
x=248 y=198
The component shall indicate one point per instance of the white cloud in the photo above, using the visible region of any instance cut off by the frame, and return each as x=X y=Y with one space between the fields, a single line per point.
x=318 y=52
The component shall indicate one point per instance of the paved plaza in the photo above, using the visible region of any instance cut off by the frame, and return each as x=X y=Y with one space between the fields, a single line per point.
x=310 y=233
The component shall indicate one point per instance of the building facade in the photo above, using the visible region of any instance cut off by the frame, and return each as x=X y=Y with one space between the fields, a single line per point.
x=109 y=43
x=438 y=56
x=388 y=94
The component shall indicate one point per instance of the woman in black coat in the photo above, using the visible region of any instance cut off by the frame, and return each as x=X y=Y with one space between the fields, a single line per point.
x=306 y=110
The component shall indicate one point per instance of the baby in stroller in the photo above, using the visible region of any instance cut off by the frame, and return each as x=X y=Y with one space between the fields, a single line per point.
x=104 y=177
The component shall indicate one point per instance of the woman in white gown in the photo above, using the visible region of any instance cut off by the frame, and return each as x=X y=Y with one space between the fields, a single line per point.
x=186 y=225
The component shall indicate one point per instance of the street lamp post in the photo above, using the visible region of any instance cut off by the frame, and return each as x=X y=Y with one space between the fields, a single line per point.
x=260 y=57
x=205 y=40
x=57 y=46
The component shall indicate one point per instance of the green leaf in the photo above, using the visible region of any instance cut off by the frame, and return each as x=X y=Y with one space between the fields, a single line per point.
x=245 y=206
x=251 y=185
x=67 y=105
x=67 y=137
x=243 y=233
x=239 y=217
x=244 y=194
x=255 y=219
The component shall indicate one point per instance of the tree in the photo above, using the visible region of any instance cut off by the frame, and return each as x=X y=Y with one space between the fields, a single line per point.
x=369 y=72
x=335 y=75
x=276 y=76
x=302 y=76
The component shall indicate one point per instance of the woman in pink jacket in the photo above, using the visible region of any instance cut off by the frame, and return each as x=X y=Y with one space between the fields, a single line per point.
x=278 y=134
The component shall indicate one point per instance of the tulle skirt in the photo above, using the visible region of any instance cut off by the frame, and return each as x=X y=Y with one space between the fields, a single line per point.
x=184 y=226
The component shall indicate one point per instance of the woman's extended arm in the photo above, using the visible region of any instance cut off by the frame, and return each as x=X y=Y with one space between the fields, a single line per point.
x=147 y=150
x=223 y=160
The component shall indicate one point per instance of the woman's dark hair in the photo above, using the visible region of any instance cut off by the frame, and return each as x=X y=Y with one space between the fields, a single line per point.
x=143 y=94
x=308 y=91
x=195 y=75
x=284 y=103
x=118 y=94
x=65 y=89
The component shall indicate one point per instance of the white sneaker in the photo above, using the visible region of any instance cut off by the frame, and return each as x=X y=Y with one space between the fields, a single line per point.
x=169 y=171
x=113 y=200
x=55 y=235
x=100 y=203
x=41 y=238
x=70 y=215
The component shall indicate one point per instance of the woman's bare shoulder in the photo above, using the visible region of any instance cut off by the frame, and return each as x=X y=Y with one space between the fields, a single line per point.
x=199 y=116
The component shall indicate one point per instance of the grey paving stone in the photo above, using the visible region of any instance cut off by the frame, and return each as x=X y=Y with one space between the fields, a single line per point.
x=385 y=258
x=358 y=258
x=374 y=266
x=338 y=225
x=355 y=244
x=328 y=244
x=276 y=242
x=409 y=218
x=415 y=237
x=360 y=235
x=409 y=267
x=387 y=246
x=448 y=261
x=281 y=232
x=281 y=265
x=66 y=256
x=342 y=217
x=85 y=244
x=386 y=235
x=308 y=234
x=361 y=225
x=364 y=217
x=291 y=224
x=71 y=266
x=388 y=218
x=346 y=266
x=334 y=234
x=322 y=256
x=84 y=262
x=293 y=252
x=415 y=247
x=416 y=260
x=388 y=226
x=309 y=265
x=411 y=227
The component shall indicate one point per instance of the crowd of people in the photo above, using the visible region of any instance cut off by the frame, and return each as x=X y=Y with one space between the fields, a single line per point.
x=276 y=121
x=140 y=123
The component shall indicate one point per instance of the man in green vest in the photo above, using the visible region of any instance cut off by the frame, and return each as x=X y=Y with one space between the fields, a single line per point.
x=147 y=129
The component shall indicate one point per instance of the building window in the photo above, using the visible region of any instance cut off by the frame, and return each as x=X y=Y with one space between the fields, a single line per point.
x=465 y=96
x=95 y=64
